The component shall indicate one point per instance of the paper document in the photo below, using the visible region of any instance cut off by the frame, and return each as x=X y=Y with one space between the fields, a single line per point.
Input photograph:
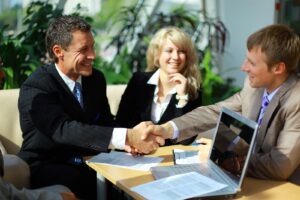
x=185 y=157
x=126 y=160
x=180 y=186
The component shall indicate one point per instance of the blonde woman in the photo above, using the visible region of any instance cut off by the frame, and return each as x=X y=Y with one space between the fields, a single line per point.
x=169 y=88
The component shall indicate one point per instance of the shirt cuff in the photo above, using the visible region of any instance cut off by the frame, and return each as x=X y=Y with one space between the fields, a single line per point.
x=175 y=130
x=118 y=139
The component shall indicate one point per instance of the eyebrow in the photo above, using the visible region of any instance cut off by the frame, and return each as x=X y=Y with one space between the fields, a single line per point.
x=250 y=60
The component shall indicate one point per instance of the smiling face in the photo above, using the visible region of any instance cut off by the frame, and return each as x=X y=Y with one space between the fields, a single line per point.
x=171 y=58
x=260 y=76
x=77 y=59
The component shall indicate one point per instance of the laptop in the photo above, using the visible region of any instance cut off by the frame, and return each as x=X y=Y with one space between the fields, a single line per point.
x=233 y=141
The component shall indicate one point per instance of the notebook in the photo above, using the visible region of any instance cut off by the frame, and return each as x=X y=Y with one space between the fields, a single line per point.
x=233 y=140
x=181 y=157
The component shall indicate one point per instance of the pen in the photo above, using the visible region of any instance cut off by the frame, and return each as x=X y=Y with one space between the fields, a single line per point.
x=174 y=158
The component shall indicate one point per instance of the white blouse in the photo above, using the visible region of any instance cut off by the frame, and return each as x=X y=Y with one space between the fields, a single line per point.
x=158 y=108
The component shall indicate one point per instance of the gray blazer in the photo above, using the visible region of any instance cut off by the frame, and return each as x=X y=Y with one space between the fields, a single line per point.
x=278 y=140
x=10 y=192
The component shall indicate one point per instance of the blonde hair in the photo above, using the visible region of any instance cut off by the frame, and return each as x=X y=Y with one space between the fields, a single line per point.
x=183 y=41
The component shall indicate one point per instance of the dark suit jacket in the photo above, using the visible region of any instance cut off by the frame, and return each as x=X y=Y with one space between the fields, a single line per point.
x=54 y=125
x=136 y=103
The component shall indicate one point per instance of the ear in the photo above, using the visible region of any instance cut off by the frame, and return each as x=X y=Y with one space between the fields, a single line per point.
x=279 y=68
x=58 y=52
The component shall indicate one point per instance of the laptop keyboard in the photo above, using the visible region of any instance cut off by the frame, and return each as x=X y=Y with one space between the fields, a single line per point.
x=181 y=169
x=202 y=169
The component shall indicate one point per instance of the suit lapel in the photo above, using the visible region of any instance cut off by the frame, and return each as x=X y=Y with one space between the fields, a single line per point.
x=85 y=91
x=256 y=104
x=52 y=70
x=273 y=107
x=169 y=110
x=149 y=93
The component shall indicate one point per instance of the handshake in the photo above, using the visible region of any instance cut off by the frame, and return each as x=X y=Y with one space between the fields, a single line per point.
x=147 y=137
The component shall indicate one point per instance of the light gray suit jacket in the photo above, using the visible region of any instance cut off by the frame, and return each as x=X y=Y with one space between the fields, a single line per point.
x=278 y=141
x=10 y=192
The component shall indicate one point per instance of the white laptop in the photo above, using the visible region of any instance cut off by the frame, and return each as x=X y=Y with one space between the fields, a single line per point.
x=234 y=139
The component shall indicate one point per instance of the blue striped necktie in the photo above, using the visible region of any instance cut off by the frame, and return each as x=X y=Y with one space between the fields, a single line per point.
x=78 y=94
x=264 y=105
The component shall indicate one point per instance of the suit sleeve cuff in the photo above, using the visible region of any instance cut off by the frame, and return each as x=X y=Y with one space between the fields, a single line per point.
x=118 y=138
x=175 y=129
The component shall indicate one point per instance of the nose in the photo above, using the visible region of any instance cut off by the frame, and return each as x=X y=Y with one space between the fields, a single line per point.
x=91 y=54
x=245 y=67
x=175 y=54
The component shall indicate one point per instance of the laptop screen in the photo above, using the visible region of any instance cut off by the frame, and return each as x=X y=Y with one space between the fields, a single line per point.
x=232 y=143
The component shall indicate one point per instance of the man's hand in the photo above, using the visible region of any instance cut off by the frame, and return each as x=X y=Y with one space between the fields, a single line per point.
x=135 y=143
x=68 y=196
x=133 y=139
x=165 y=131
x=204 y=148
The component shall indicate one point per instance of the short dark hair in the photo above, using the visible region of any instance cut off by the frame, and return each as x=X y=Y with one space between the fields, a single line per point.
x=280 y=44
x=60 y=32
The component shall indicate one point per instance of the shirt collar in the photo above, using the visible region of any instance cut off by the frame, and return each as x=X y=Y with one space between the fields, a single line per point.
x=154 y=78
x=271 y=95
x=69 y=82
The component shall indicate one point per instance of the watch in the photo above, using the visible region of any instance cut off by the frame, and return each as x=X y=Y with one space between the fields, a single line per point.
x=182 y=97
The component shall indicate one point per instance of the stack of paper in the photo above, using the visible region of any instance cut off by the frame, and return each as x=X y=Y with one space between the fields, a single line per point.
x=180 y=186
x=126 y=160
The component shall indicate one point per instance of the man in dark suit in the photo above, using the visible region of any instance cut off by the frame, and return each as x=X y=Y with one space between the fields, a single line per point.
x=65 y=115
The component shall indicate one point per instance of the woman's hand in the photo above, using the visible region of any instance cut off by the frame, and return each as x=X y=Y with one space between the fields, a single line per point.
x=180 y=82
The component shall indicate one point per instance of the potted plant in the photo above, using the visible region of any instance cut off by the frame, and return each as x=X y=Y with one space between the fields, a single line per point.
x=210 y=30
x=22 y=53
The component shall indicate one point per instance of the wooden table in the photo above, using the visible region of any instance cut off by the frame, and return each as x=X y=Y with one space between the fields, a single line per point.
x=252 y=189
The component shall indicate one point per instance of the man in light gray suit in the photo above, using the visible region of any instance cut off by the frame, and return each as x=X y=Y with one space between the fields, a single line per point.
x=271 y=65
x=10 y=192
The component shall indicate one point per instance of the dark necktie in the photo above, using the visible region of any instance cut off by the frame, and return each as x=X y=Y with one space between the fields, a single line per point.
x=264 y=105
x=77 y=93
